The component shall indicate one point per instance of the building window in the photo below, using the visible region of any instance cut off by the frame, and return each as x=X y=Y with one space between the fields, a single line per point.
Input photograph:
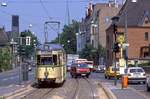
x=146 y=22
x=92 y=42
x=146 y=36
x=146 y=54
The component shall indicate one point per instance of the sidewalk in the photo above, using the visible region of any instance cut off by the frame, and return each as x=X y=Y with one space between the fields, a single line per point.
x=116 y=92
x=11 y=89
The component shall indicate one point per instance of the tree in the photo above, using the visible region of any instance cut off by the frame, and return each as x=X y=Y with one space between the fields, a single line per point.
x=5 y=57
x=68 y=37
x=91 y=53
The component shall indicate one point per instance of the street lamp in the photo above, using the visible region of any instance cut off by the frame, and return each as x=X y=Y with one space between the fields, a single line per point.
x=126 y=34
x=68 y=41
x=115 y=19
x=4 y=4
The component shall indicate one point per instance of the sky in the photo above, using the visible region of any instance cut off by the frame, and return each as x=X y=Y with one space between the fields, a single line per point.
x=36 y=12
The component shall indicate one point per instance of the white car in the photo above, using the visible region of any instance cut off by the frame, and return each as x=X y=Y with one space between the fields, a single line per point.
x=148 y=83
x=136 y=74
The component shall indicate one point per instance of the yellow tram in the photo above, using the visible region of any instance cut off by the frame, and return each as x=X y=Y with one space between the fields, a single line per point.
x=51 y=61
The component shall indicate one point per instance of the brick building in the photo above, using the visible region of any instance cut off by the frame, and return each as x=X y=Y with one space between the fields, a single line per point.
x=136 y=16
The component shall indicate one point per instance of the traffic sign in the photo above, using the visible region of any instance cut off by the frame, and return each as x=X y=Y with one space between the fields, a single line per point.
x=122 y=62
x=125 y=44
x=120 y=39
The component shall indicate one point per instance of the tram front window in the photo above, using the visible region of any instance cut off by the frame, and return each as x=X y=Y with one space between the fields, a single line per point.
x=46 y=61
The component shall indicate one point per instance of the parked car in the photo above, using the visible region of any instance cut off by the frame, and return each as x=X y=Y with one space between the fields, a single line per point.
x=79 y=69
x=148 y=83
x=136 y=74
x=110 y=72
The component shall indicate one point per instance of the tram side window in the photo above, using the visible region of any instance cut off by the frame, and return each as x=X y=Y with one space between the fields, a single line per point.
x=38 y=59
x=55 y=59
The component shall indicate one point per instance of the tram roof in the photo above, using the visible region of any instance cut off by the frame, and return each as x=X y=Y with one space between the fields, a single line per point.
x=49 y=47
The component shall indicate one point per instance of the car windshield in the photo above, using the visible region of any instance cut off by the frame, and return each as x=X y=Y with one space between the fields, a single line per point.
x=83 y=65
x=113 y=69
x=136 y=70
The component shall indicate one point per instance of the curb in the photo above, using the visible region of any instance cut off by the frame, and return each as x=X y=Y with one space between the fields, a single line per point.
x=107 y=91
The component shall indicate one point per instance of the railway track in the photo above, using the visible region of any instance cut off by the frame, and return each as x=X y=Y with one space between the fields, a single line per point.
x=75 y=95
x=79 y=87
x=91 y=88
x=38 y=94
x=31 y=93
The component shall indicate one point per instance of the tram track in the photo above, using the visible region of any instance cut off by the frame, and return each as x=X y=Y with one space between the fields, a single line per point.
x=75 y=95
x=79 y=87
x=31 y=93
x=92 y=90
x=38 y=94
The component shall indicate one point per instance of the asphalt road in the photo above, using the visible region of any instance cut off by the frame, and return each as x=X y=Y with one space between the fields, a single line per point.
x=80 y=88
x=13 y=77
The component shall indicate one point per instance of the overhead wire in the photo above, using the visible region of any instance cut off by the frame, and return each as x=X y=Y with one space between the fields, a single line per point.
x=45 y=9
x=50 y=1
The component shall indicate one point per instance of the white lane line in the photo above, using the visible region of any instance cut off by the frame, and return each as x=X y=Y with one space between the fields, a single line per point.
x=5 y=79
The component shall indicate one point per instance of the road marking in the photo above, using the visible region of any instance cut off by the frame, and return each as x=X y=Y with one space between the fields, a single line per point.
x=4 y=79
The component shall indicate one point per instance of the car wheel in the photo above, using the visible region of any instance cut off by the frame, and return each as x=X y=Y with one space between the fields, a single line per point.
x=148 y=88
x=75 y=76
x=87 y=76
x=72 y=76
x=105 y=77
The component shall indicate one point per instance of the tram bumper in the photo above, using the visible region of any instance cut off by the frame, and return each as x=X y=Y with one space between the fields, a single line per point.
x=46 y=80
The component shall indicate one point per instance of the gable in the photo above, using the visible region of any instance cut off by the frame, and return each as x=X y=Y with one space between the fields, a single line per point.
x=146 y=19
x=146 y=22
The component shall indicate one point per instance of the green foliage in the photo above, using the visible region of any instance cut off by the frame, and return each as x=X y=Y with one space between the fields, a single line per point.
x=145 y=64
x=68 y=37
x=28 y=49
x=5 y=57
x=91 y=53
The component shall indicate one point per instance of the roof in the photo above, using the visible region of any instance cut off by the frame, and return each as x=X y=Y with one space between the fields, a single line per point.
x=49 y=47
x=3 y=37
x=135 y=12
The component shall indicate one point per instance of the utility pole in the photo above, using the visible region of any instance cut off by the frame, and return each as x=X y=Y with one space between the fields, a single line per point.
x=126 y=40
x=115 y=20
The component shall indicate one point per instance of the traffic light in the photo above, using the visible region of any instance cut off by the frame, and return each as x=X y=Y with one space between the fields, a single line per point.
x=115 y=28
x=28 y=40
x=116 y=47
x=21 y=50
